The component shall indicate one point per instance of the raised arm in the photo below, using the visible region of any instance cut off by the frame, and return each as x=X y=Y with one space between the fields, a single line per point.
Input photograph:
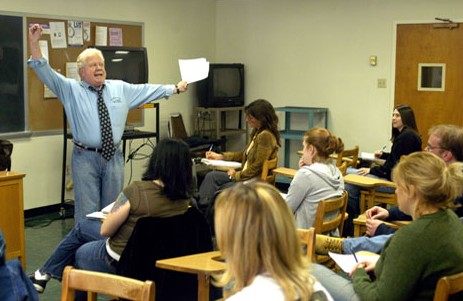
x=35 y=32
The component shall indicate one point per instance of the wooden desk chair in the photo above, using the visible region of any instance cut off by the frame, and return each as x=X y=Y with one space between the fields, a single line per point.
x=360 y=224
x=380 y=197
x=307 y=237
x=343 y=168
x=104 y=283
x=350 y=156
x=448 y=285
x=322 y=226
x=267 y=174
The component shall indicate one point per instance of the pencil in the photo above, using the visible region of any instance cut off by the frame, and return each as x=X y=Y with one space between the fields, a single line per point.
x=355 y=257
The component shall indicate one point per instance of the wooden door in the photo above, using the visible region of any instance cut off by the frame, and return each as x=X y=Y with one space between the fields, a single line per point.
x=422 y=43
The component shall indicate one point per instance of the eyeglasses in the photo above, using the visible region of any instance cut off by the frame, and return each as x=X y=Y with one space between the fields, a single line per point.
x=430 y=147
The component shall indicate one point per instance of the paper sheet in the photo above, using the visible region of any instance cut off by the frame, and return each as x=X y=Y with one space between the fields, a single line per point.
x=221 y=163
x=347 y=261
x=193 y=70
x=101 y=214
x=367 y=156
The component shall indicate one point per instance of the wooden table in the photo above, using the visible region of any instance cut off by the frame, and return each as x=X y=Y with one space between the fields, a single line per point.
x=285 y=172
x=369 y=184
x=360 y=224
x=12 y=214
x=202 y=264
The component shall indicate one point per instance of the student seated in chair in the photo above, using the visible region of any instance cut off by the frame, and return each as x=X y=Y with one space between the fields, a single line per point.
x=317 y=179
x=163 y=192
x=14 y=284
x=418 y=254
x=257 y=236
x=445 y=141
x=405 y=140
x=263 y=145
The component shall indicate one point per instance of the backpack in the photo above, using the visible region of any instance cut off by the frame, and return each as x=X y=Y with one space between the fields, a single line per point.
x=6 y=148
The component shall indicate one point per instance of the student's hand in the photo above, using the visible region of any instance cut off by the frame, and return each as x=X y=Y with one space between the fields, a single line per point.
x=301 y=162
x=377 y=212
x=363 y=171
x=372 y=225
x=182 y=86
x=368 y=266
x=213 y=155
x=378 y=154
x=231 y=172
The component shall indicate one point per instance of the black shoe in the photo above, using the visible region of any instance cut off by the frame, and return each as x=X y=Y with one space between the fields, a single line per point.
x=38 y=284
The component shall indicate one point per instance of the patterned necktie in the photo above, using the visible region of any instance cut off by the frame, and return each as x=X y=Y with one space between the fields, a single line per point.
x=108 y=148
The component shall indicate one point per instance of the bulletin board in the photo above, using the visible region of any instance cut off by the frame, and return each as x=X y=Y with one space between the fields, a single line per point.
x=46 y=114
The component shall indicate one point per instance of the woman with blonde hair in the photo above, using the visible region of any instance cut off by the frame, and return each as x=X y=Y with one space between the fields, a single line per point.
x=418 y=254
x=257 y=236
x=317 y=179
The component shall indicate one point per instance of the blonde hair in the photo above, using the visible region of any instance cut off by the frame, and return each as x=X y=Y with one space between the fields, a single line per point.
x=84 y=55
x=324 y=142
x=437 y=183
x=256 y=233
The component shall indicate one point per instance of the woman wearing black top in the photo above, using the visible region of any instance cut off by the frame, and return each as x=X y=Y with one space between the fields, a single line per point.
x=405 y=140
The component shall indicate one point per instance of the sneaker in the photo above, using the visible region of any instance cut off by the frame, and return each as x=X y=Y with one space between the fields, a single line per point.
x=39 y=281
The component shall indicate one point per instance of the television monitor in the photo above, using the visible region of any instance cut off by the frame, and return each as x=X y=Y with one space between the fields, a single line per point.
x=129 y=64
x=224 y=86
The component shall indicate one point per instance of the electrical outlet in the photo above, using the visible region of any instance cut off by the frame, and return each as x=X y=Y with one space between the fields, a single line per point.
x=381 y=83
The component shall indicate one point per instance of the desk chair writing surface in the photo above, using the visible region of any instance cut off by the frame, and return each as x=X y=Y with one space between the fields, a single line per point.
x=155 y=238
x=104 y=283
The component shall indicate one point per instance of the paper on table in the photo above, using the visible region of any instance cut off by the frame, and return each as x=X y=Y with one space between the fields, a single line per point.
x=222 y=163
x=193 y=70
x=368 y=156
x=347 y=261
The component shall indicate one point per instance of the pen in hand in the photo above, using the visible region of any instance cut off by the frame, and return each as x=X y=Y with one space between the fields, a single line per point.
x=210 y=148
x=355 y=257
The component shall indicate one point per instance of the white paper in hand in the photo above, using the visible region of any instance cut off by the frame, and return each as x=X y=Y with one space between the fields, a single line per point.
x=193 y=70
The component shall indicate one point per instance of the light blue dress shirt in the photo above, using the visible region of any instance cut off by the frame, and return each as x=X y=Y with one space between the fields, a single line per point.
x=80 y=103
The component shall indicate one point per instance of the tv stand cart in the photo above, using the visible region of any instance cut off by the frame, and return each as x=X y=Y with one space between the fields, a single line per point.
x=212 y=122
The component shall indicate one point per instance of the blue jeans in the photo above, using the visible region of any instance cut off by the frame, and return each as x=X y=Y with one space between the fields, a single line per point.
x=373 y=244
x=97 y=182
x=340 y=288
x=85 y=231
x=353 y=202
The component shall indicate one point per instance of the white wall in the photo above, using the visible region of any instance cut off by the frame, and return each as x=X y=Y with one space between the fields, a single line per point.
x=297 y=52
x=173 y=29
x=316 y=53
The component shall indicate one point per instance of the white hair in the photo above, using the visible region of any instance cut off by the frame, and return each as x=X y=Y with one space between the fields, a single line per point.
x=84 y=55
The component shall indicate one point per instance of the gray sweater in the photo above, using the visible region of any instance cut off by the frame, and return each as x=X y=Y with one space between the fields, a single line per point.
x=310 y=185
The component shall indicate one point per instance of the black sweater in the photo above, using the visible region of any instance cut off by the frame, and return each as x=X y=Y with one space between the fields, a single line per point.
x=406 y=142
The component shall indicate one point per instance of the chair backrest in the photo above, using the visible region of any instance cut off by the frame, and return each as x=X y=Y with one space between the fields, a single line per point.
x=267 y=168
x=351 y=154
x=343 y=168
x=307 y=237
x=177 y=127
x=447 y=286
x=103 y=283
x=156 y=238
x=337 y=207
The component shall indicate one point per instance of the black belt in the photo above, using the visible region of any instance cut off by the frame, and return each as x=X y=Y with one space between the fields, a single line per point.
x=91 y=149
